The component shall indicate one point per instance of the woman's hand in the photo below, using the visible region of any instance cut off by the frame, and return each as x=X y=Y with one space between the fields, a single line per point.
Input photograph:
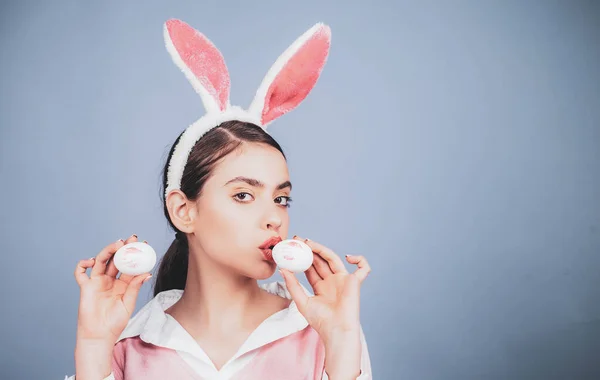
x=106 y=302
x=334 y=310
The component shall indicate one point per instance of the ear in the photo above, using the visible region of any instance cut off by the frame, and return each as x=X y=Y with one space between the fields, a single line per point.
x=201 y=62
x=182 y=211
x=293 y=75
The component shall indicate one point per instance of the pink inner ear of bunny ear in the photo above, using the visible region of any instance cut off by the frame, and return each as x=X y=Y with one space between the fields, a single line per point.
x=203 y=59
x=297 y=77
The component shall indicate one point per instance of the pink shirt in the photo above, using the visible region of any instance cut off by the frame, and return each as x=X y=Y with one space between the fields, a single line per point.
x=155 y=346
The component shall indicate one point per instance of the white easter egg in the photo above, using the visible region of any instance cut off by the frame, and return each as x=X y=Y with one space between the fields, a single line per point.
x=135 y=258
x=293 y=255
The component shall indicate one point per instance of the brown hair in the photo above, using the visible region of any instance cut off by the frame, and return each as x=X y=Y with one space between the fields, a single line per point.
x=212 y=147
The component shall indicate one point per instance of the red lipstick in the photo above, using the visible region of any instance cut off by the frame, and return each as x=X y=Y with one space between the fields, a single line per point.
x=267 y=247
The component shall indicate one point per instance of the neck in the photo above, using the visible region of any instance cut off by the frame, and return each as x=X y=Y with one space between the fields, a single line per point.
x=216 y=299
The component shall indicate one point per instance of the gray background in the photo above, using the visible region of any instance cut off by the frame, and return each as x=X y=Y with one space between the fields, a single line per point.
x=455 y=144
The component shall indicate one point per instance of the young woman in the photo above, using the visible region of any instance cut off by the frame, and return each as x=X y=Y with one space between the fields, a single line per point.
x=227 y=194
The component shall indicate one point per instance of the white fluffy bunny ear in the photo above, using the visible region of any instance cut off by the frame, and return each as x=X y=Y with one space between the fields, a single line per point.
x=293 y=75
x=201 y=62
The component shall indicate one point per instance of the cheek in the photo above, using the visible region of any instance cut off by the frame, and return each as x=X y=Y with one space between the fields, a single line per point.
x=221 y=225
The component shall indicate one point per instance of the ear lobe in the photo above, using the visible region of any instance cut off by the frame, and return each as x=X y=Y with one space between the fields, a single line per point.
x=201 y=62
x=293 y=75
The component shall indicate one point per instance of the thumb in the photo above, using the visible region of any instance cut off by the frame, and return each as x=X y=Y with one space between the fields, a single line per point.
x=295 y=289
x=133 y=288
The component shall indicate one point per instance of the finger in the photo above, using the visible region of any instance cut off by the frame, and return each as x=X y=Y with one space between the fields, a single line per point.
x=335 y=262
x=103 y=257
x=312 y=276
x=132 y=291
x=363 y=266
x=295 y=289
x=127 y=278
x=131 y=239
x=81 y=268
x=111 y=269
x=321 y=266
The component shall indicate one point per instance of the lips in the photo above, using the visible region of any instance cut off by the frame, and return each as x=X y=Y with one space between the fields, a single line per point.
x=270 y=243
x=267 y=247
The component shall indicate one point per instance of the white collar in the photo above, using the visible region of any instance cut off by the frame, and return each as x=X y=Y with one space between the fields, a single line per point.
x=154 y=326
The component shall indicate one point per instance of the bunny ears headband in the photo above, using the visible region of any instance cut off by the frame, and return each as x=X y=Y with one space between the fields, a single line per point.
x=287 y=83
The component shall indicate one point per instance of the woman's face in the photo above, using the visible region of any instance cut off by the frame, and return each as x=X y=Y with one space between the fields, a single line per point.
x=241 y=205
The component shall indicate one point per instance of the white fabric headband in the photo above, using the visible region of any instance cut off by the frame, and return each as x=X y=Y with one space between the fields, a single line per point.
x=286 y=85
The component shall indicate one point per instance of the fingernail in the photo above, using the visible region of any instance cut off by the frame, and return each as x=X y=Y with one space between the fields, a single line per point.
x=145 y=242
x=295 y=236
x=307 y=239
x=120 y=240
x=134 y=235
x=347 y=255
x=91 y=258
x=146 y=279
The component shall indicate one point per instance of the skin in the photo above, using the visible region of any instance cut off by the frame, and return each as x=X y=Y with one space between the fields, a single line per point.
x=222 y=302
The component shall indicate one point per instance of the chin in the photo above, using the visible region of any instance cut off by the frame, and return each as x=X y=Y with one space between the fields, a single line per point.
x=262 y=271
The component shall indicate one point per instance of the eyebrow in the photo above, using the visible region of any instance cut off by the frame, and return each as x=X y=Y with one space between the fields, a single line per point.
x=257 y=183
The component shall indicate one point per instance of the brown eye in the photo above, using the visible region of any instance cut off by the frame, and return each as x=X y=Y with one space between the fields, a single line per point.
x=242 y=197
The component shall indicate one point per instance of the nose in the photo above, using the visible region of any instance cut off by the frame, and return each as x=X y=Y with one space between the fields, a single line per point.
x=272 y=219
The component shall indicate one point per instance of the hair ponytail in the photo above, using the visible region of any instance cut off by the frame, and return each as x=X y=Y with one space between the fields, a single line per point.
x=172 y=272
